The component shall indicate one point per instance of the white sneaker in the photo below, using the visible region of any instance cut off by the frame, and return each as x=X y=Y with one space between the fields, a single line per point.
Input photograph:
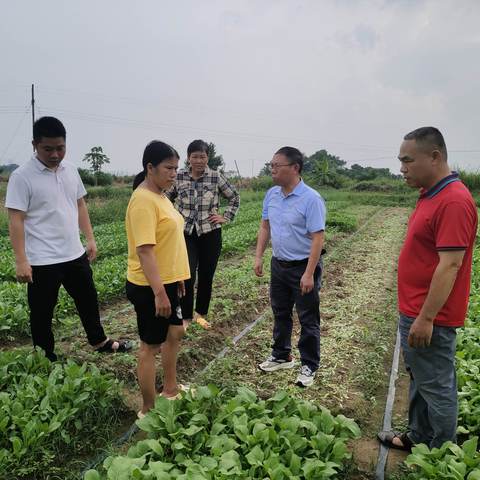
x=271 y=364
x=305 y=377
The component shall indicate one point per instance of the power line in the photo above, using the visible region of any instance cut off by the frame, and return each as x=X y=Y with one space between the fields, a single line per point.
x=115 y=120
x=14 y=134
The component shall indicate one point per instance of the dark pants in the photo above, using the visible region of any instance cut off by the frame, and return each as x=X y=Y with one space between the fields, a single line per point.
x=203 y=254
x=76 y=277
x=285 y=292
x=433 y=408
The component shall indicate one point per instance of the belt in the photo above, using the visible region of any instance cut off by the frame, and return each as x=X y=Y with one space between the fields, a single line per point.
x=291 y=263
x=295 y=263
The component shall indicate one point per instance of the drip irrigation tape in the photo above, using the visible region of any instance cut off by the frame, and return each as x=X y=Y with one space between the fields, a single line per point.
x=118 y=442
x=387 y=418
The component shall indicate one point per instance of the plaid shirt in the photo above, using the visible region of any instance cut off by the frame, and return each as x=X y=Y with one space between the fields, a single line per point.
x=197 y=199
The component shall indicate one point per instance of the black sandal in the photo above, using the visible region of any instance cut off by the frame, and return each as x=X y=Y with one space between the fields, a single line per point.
x=123 y=346
x=386 y=438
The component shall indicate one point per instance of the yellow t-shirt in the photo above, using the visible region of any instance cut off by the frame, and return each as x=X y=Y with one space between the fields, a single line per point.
x=151 y=219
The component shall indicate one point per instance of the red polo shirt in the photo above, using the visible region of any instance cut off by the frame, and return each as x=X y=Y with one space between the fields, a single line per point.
x=445 y=218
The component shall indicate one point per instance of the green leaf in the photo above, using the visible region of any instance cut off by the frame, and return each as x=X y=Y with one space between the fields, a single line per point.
x=192 y=430
x=470 y=446
x=92 y=475
x=255 y=456
x=474 y=475
x=121 y=468
x=16 y=445
x=419 y=461
x=230 y=460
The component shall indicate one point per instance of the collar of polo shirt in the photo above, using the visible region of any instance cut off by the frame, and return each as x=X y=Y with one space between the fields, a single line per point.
x=39 y=165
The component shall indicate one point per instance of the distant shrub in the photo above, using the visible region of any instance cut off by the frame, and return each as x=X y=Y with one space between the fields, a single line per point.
x=381 y=185
x=103 y=178
x=123 y=179
x=109 y=192
x=262 y=183
x=100 y=178
x=86 y=176
x=470 y=179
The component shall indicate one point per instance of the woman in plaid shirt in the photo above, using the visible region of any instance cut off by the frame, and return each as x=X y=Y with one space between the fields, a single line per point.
x=196 y=195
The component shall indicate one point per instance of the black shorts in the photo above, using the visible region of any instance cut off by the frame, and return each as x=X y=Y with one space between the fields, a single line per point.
x=152 y=329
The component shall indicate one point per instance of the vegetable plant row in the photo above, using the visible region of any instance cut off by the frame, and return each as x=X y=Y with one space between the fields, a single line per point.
x=208 y=434
x=47 y=411
x=109 y=276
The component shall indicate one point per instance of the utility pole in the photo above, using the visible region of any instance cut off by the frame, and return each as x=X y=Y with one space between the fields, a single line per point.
x=238 y=171
x=33 y=107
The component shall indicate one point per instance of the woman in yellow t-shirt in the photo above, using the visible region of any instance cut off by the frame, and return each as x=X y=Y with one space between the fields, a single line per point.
x=157 y=268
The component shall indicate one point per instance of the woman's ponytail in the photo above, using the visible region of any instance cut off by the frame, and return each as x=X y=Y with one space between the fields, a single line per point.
x=139 y=178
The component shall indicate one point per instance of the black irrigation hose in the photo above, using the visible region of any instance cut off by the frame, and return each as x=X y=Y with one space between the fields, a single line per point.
x=134 y=429
x=387 y=418
x=118 y=442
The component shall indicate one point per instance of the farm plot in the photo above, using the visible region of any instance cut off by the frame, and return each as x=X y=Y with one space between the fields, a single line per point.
x=239 y=298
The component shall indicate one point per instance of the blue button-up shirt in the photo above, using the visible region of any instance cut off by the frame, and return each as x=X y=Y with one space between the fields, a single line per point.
x=292 y=220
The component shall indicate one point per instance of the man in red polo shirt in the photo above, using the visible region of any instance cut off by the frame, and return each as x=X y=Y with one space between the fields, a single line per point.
x=433 y=288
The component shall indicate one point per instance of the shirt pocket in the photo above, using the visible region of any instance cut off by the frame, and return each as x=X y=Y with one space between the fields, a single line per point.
x=295 y=216
x=184 y=196
x=208 y=199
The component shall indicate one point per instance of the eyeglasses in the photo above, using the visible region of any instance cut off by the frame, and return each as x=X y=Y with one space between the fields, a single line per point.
x=274 y=166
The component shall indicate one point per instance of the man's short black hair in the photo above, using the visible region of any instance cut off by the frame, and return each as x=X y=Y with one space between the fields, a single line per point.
x=428 y=138
x=49 y=127
x=294 y=156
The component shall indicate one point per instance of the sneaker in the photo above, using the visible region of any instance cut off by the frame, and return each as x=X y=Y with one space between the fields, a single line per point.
x=272 y=364
x=305 y=377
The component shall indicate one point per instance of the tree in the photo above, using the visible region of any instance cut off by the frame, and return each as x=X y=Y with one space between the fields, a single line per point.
x=266 y=170
x=323 y=173
x=96 y=158
x=215 y=162
x=334 y=163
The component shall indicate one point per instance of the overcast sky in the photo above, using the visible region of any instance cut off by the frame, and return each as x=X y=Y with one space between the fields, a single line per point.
x=251 y=76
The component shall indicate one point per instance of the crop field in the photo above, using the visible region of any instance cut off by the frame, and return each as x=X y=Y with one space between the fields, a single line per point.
x=73 y=419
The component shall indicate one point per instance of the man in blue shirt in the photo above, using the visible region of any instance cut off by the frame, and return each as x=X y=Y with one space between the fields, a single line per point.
x=293 y=218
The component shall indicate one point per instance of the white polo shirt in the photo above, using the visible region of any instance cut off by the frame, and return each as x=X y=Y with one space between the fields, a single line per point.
x=49 y=199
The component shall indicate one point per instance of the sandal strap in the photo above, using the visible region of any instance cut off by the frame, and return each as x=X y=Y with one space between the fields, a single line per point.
x=107 y=347
x=405 y=439
x=123 y=346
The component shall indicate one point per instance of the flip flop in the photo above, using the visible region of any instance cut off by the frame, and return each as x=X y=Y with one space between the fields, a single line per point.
x=173 y=397
x=202 y=322
x=181 y=389
x=123 y=346
x=386 y=438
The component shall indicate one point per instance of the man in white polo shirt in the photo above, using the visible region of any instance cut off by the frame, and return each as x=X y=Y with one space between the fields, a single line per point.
x=46 y=208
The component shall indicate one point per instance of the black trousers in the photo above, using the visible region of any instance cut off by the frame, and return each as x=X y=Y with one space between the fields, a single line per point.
x=285 y=292
x=76 y=276
x=203 y=254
